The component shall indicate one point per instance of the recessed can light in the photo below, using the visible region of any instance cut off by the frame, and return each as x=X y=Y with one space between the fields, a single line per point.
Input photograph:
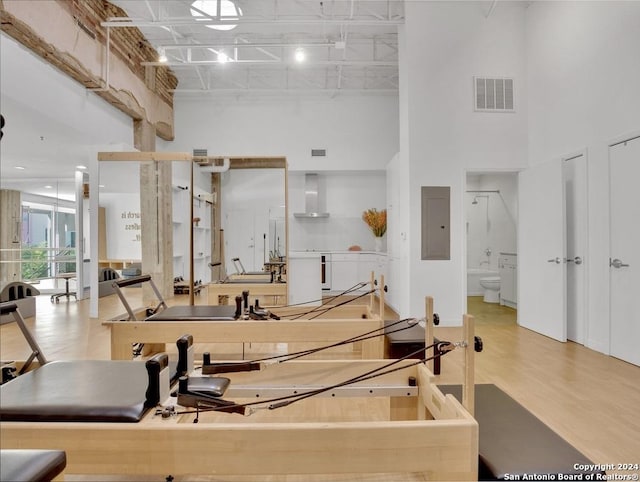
x=20 y=168
x=81 y=167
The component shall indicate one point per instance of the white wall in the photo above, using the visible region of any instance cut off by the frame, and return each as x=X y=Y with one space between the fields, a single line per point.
x=357 y=132
x=397 y=235
x=583 y=75
x=445 y=45
x=123 y=225
x=346 y=195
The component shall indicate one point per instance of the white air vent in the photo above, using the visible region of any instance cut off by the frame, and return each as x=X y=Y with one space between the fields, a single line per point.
x=318 y=152
x=493 y=95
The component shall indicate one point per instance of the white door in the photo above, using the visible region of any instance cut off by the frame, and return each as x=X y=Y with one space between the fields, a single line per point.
x=542 y=271
x=239 y=239
x=624 y=165
x=575 y=182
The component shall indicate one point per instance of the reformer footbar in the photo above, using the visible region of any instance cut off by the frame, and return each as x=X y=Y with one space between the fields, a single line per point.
x=325 y=307
x=204 y=402
x=440 y=349
x=36 y=351
x=209 y=368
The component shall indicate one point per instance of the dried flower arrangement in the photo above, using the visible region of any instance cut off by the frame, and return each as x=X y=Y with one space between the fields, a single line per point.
x=376 y=220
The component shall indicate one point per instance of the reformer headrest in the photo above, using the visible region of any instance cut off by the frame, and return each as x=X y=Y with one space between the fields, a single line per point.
x=6 y=308
x=183 y=343
x=154 y=366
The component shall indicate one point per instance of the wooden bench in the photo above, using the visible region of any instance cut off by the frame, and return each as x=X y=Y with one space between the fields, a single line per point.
x=513 y=442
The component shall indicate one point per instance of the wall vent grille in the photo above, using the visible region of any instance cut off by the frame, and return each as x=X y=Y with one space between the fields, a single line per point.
x=318 y=152
x=494 y=94
x=199 y=153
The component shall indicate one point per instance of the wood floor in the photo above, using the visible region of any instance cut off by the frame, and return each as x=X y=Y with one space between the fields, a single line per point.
x=590 y=399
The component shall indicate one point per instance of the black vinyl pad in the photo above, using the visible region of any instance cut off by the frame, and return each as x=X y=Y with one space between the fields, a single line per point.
x=513 y=442
x=31 y=465
x=77 y=391
x=214 y=386
x=196 y=313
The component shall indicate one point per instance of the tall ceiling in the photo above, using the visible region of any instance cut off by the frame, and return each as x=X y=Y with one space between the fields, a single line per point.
x=349 y=46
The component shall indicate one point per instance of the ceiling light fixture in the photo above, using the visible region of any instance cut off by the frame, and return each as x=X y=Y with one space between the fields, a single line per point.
x=48 y=186
x=20 y=168
x=300 y=54
x=222 y=57
x=81 y=167
x=162 y=55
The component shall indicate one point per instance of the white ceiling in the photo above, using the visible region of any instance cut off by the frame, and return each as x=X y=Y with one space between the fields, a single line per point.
x=53 y=124
x=349 y=46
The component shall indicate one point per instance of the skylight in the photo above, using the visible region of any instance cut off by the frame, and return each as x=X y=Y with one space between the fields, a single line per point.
x=218 y=10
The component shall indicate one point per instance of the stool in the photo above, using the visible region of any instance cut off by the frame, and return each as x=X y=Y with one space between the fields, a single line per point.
x=66 y=277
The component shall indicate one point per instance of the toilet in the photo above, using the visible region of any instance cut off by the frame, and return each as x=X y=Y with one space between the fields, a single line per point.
x=491 y=285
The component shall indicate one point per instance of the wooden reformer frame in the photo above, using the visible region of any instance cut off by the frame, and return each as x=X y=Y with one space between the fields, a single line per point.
x=340 y=324
x=270 y=293
x=426 y=432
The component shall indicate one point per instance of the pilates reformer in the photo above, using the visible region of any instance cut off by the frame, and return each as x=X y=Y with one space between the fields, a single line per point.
x=271 y=268
x=165 y=325
x=223 y=292
x=408 y=441
x=31 y=465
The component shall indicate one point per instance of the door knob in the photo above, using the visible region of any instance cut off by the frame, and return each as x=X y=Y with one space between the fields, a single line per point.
x=616 y=263
x=554 y=260
x=576 y=260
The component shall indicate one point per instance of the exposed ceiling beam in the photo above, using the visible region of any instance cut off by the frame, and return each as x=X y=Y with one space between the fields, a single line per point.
x=131 y=22
x=286 y=91
x=247 y=44
x=316 y=63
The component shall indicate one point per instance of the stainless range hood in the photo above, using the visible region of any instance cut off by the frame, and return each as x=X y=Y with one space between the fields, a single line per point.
x=311 y=199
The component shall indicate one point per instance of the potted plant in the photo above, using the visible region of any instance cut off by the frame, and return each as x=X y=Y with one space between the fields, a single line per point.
x=377 y=222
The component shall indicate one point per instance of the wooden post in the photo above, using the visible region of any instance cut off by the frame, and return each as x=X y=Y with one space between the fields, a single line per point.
x=428 y=329
x=381 y=297
x=10 y=235
x=156 y=210
x=468 y=387
x=191 y=262
x=372 y=296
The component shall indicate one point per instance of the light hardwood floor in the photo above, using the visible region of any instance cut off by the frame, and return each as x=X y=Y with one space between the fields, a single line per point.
x=590 y=399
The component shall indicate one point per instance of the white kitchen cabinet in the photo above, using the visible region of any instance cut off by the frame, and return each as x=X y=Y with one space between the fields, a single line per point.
x=344 y=271
x=304 y=268
x=349 y=269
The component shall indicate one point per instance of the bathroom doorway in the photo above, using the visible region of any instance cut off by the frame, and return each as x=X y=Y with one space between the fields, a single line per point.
x=491 y=208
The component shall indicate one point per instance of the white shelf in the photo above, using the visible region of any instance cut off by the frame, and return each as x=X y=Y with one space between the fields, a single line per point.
x=182 y=224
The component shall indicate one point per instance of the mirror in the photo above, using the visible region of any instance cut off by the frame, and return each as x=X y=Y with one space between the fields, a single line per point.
x=119 y=246
x=203 y=225
x=254 y=213
x=235 y=214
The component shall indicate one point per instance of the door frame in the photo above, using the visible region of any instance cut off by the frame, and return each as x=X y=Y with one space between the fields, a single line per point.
x=463 y=220
x=585 y=294
x=631 y=135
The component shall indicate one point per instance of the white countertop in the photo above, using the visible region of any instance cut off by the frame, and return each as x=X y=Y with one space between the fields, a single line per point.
x=317 y=254
x=304 y=254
